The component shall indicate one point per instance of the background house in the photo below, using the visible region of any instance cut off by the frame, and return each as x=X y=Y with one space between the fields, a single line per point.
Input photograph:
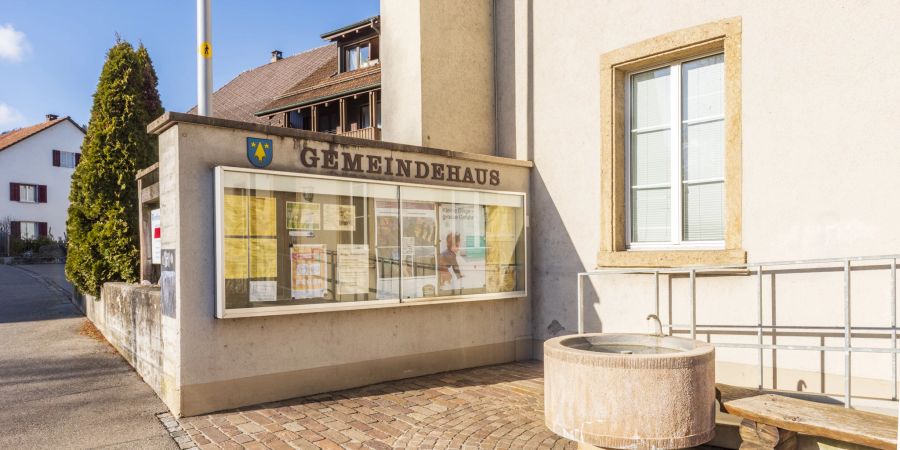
x=36 y=165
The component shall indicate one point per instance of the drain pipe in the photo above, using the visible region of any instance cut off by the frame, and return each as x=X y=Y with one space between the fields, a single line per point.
x=204 y=58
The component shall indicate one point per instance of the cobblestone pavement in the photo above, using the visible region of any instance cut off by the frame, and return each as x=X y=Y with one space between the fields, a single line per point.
x=485 y=408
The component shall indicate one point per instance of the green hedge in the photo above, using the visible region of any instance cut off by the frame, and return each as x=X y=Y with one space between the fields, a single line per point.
x=102 y=225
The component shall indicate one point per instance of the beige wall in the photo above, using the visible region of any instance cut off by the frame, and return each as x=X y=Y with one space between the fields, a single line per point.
x=819 y=165
x=232 y=362
x=439 y=55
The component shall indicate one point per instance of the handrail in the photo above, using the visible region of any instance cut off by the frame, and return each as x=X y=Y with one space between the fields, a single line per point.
x=758 y=269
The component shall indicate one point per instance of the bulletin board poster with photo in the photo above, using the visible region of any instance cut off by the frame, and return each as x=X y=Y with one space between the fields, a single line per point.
x=462 y=248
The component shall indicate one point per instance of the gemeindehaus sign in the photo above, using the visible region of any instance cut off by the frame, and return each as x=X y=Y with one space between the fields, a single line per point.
x=358 y=163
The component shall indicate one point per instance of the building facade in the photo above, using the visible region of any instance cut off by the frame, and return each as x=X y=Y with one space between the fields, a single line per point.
x=679 y=134
x=344 y=95
x=36 y=166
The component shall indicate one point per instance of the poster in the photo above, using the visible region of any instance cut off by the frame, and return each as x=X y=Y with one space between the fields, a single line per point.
x=387 y=223
x=155 y=237
x=308 y=271
x=407 y=263
x=236 y=258
x=262 y=216
x=263 y=258
x=235 y=214
x=167 y=282
x=352 y=269
x=501 y=235
x=461 y=263
x=339 y=217
x=263 y=291
x=303 y=216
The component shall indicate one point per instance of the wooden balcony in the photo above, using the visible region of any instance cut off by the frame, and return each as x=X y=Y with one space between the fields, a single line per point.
x=364 y=133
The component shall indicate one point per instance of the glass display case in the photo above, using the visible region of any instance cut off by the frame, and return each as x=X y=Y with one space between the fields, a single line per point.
x=289 y=242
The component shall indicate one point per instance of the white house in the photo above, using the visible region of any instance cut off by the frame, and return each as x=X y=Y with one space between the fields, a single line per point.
x=36 y=165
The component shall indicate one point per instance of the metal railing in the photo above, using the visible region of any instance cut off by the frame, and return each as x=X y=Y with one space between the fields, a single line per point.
x=758 y=270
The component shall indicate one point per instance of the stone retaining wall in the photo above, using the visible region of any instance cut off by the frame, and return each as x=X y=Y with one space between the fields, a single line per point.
x=128 y=315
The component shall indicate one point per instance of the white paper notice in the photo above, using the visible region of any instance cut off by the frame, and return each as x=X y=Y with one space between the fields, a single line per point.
x=263 y=291
x=353 y=269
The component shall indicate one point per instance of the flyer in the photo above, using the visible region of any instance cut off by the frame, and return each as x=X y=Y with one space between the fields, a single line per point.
x=308 y=271
x=387 y=223
x=262 y=216
x=339 y=217
x=303 y=216
x=236 y=258
x=352 y=269
x=501 y=238
x=263 y=258
x=263 y=291
x=235 y=215
x=461 y=263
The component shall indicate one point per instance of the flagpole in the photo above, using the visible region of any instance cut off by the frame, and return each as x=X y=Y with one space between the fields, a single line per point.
x=204 y=58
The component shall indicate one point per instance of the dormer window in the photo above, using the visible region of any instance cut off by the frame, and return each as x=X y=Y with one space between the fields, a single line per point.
x=357 y=56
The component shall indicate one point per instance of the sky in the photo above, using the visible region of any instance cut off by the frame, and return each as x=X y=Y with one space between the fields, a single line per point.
x=52 y=51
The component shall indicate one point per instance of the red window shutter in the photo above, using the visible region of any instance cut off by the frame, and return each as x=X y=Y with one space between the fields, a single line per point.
x=42 y=193
x=15 y=230
x=77 y=158
x=13 y=192
x=42 y=229
x=56 y=157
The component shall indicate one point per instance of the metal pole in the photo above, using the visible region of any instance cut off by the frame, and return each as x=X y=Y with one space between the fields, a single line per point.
x=693 y=304
x=204 y=58
x=580 y=304
x=847 y=371
x=894 y=328
x=759 y=322
x=656 y=291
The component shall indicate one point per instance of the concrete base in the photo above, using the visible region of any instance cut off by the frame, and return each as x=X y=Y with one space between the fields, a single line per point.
x=216 y=396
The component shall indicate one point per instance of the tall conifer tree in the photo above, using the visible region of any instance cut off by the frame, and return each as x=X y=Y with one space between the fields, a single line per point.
x=102 y=226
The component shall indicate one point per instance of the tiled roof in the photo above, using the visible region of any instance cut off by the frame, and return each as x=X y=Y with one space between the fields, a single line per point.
x=9 y=138
x=252 y=90
x=325 y=84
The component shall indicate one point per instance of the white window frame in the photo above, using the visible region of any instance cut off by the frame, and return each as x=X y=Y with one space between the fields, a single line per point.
x=25 y=188
x=67 y=159
x=24 y=226
x=676 y=182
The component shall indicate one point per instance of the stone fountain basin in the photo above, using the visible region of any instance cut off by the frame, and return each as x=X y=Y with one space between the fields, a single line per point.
x=629 y=390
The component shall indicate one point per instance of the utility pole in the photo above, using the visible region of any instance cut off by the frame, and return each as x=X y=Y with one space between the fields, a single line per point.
x=204 y=58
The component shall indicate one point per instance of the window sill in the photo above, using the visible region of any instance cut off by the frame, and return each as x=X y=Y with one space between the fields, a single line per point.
x=670 y=258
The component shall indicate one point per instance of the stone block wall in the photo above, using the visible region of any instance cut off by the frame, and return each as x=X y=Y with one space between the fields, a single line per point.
x=128 y=315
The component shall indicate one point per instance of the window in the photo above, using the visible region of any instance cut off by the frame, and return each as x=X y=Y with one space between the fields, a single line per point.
x=296 y=242
x=670 y=168
x=27 y=193
x=28 y=230
x=356 y=57
x=364 y=117
x=65 y=159
x=675 y=154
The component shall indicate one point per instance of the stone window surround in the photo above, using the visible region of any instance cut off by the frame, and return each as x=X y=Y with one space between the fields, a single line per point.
x=721 y=36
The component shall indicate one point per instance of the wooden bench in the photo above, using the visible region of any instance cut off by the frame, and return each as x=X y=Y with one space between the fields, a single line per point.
x=773 y=421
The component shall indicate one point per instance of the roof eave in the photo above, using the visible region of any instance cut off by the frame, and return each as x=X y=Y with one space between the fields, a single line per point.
x=362 y=23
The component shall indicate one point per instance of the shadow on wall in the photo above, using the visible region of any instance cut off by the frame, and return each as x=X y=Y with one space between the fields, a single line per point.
x=554 y=267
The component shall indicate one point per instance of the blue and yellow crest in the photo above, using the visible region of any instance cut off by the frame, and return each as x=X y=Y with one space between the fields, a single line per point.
x=259 y=151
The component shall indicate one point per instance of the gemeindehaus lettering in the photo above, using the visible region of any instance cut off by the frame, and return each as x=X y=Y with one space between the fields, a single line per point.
x=382 y=165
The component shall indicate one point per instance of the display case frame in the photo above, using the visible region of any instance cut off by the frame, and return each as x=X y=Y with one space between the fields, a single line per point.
x=222 y=312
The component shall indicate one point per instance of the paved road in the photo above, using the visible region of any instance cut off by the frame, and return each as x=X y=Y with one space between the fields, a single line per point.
x=59 y=389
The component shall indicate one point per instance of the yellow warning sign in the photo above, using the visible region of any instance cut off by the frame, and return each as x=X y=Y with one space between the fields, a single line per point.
x=206 y=49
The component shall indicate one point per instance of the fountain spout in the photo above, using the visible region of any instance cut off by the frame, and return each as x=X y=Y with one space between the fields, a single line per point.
x=657 y=329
